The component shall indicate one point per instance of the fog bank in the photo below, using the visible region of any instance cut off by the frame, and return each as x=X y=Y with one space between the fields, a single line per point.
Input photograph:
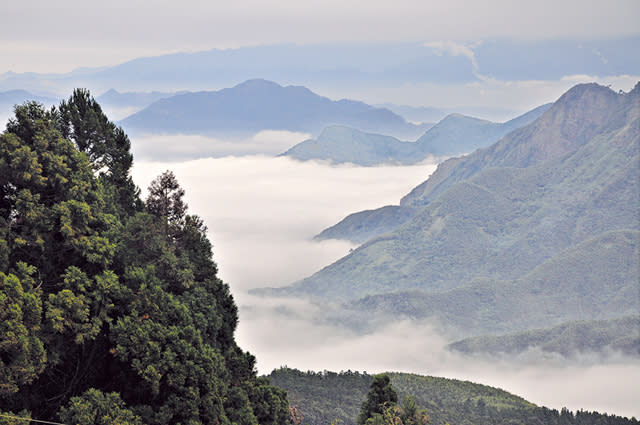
x=184 y=147
x=282 y=332
x=262 y=213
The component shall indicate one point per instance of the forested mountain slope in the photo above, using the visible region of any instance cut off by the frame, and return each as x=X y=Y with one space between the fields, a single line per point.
x=549 y=211
x=111 y=311
x=576 y=117
x=329 y=397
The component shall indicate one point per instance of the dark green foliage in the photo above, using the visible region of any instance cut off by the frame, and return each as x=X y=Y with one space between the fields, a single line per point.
x=381 y=395
x=324 y=397
x=18 y=418
x=330 y=397
x=98 y=408
x=411 y=414
x=270 y=404
x=110 y=314
x=82 y=121
x=165 y=198
x=21 y=349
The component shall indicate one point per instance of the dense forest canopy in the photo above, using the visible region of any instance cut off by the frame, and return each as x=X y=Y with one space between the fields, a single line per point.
x=321 y=398
x=111 y=310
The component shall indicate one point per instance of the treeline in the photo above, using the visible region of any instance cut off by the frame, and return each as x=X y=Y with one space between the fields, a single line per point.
x=324 y=397
x=111 y=311
x=328 y=397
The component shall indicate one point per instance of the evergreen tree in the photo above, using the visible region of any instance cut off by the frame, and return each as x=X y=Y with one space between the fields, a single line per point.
x=110 y=314
x=165 y=200
x=381 y=395
x=81 y=120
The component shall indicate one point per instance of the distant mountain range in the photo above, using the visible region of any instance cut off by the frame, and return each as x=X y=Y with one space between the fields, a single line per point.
x=109 y=99
x=340 y=144
x=257 y=105
x=568 y=339
x=16 y=97
x=540 y=228
x=456 y=134
x=112 y=98
x=418 y=114
x=331 y=65
x=10 y=98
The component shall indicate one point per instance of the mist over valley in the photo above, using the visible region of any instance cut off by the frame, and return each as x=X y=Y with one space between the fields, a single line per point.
x=350 y=212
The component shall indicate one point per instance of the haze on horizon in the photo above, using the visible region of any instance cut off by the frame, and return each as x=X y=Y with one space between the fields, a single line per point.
x=69 y=34
x=43 y=37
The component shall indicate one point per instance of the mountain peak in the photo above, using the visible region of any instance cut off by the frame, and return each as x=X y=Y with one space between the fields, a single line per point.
x=338 y=131
x=575 y=117
x=109 y=93
x=581 y=93
x=257 y=83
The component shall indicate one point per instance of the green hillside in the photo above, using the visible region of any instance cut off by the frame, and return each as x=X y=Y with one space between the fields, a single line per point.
x=328 y=397
x=540 y=228
x=556 y=291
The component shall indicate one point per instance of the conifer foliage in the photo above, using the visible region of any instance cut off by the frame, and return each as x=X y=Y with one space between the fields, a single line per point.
x=381 y=396
x=111 y=310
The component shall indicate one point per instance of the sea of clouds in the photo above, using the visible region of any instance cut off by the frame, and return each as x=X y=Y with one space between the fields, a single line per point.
x=262 y=213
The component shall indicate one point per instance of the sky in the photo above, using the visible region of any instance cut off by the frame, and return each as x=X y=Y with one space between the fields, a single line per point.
x=56 y=37
x=45 y=36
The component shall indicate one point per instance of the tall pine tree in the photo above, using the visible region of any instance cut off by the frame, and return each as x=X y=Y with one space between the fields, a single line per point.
x=106 y=316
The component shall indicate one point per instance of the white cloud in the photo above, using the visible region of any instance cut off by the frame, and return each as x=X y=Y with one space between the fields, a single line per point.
x=183 y=147
x=118 y=113
x=282 y=333
x=264 y=211
x=261 y=214
x=454 y=49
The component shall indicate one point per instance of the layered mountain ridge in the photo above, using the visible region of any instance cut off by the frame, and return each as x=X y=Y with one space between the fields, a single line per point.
x=502 y=239
x=557 y=132
x=256 y=105
x=454 y=135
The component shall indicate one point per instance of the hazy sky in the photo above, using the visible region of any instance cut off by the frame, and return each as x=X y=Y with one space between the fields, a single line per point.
x=46 y=36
